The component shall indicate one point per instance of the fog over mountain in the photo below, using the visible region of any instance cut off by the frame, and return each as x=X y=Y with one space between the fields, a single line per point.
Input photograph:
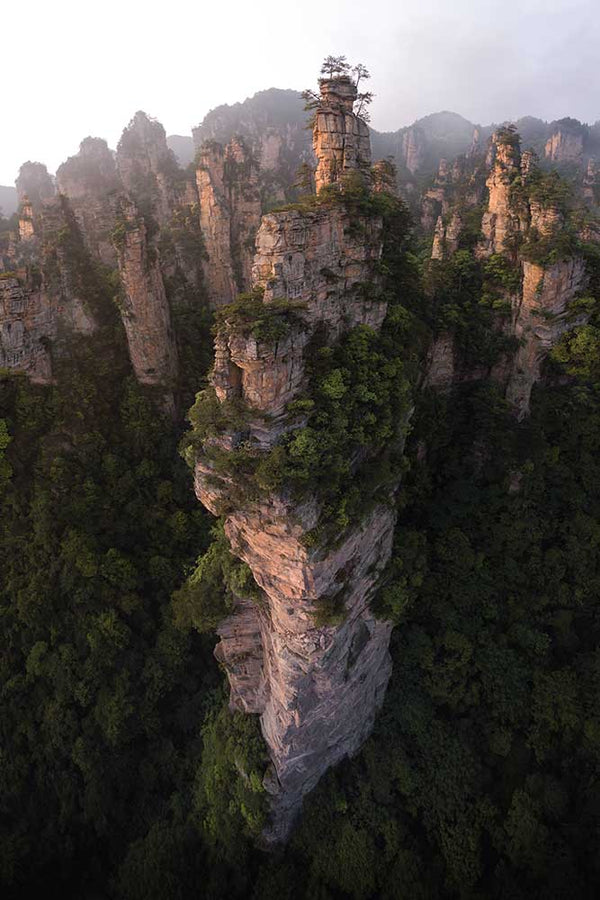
x=509 y=60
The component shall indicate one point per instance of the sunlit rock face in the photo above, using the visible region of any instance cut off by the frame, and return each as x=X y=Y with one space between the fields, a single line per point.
x=316 y=685
x=502 y=218
x=340 y=139
x=540 y=320
x=514 y=220
x=565 y=145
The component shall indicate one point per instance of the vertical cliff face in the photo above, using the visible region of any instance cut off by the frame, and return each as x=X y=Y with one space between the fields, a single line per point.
x=26 y=323
x=272 y=127
x=91 y=183
x=47 y=293
x=590 y=183
x=435 y=199
x=144 y=306
x=540 y=320
x=413 y=149
x=230 y=208
x=315 y=681
x=34 y=184
x=26 y=226
x=502 y=218
x=565 y=144
x=340 y=139
x=527 y=232
x=147 y=167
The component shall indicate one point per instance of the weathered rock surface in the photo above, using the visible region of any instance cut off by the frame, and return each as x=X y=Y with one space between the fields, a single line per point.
x=230 y=208
x=565 y=145
x=34 y=184
x=26 y=322
x=147 y=168
x=501 y=220
x=413 y=149
x=316 y=686
x=440 y=365
x=90 y=181
x=44 y=293
x=145 y=309
x=272 y=126
x=539 y=321
x=340 y=139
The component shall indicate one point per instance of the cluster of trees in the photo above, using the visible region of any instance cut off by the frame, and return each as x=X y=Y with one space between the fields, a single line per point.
x=339 y=67
x=123 y=772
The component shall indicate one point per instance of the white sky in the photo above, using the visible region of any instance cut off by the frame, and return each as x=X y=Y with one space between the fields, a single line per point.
x=73 y=68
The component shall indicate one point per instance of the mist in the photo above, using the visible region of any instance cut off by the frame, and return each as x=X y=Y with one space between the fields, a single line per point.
x=72 y=70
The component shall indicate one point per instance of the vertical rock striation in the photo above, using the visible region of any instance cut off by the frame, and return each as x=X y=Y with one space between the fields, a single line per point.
x=26 y=322
x=340 y=139
x=145 y=309
x=316 y=684
x=230 y=207
x=90 y=181
x=526 y=226
x=502 y=219
x=565 y=144
x=539 y=321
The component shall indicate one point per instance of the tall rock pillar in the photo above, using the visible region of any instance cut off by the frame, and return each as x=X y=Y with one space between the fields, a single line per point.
x=316 y=681
x=340 y=138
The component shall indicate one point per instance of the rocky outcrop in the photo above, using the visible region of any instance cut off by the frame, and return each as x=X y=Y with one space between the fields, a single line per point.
x=315 y=680
x=446 y=236
x=565 y=145
x=273 y=128
x=440 y=364
x=26 y=226
x=435 y=200
x=26 y=323
x=34 y=184
x=144 y=306
x=591 y=192
x=340 y=139
x=230 y=207
x=502 y=219
x=91 y=183
x=539 y=321
x=413 y=149
x=524 y=221
x=147 y=168
x=45 y=293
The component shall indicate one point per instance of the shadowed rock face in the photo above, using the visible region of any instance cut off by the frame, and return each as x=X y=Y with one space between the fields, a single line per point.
x=25 y=321
x=91 y=183
x=316 y=684
x=44 y=295
x=34 y=184
x=230 y=208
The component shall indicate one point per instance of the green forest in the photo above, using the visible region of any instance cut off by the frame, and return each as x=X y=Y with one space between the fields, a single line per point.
x=124 y=775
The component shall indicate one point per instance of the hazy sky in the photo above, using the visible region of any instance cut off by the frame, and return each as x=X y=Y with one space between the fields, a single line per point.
x=73 y=68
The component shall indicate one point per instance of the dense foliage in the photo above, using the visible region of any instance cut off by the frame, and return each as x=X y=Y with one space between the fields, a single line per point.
x=123 y=773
